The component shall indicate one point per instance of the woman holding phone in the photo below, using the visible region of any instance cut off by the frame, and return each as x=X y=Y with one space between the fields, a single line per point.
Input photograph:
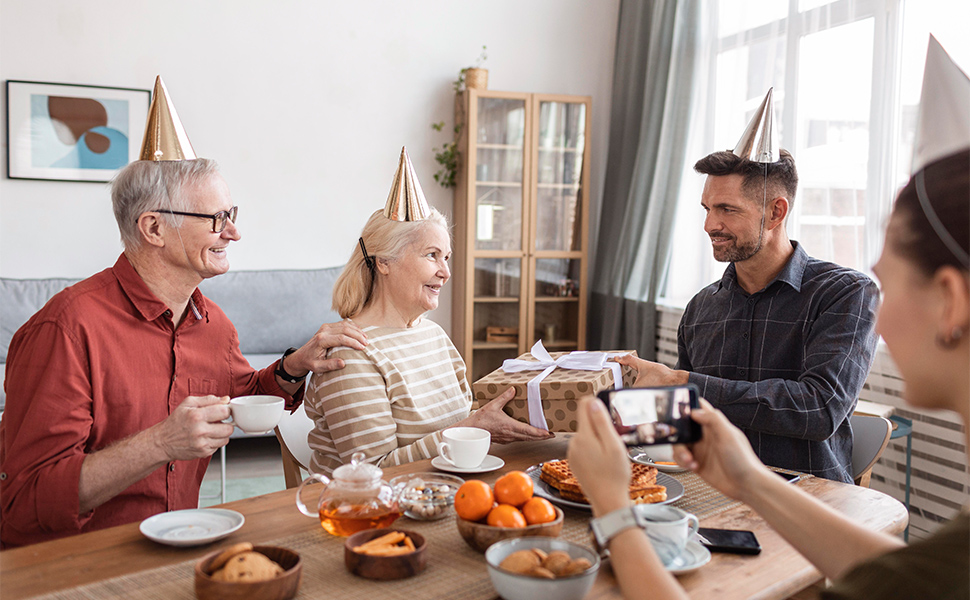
x=924 y=272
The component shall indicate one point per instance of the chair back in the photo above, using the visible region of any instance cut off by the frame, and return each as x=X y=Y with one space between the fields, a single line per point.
x=870 y=436
x=292 y=434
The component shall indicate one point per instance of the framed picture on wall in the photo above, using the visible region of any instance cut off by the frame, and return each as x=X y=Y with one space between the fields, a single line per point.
x=68 y=132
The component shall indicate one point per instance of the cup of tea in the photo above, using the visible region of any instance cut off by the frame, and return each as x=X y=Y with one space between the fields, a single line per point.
x=256 y=414
x=668 y=528
x=464 y=447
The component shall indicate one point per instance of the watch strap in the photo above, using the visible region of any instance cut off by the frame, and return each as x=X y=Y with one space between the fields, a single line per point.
x=281 y=372
x=610 y=525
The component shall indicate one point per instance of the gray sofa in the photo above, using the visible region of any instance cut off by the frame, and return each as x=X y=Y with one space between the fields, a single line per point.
x=272 y=310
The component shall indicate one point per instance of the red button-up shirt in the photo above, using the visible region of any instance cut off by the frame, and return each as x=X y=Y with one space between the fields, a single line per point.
x=101 y=362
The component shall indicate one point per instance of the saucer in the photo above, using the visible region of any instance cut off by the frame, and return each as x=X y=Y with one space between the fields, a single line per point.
x=694 y=556
x=191 y=527
x=491 y=463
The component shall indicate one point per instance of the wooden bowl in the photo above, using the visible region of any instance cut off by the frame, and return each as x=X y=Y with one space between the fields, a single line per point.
x=282 y=587
x=480 y=536
x=385 y=567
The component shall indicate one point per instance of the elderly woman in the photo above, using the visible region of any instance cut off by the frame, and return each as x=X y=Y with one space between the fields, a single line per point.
x=925 y=321
x=393 y=398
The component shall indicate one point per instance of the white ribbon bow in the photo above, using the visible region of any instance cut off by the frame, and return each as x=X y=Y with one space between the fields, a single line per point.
x=580 y=360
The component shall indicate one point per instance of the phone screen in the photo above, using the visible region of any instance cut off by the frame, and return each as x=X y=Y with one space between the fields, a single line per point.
x=645 y=416
x=729 y=540
x=790 y=477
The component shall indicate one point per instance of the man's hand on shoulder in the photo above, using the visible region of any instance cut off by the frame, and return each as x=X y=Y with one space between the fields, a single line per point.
x=195 y=429
x=653 y=374
x=313 y=355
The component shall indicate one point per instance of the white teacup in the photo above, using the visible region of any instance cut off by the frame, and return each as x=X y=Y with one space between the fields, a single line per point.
x=669 y=529
x=256 y=414
x=464 y=447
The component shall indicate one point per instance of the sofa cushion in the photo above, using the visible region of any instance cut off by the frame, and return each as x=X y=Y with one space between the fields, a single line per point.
x=20 y=299
x=273 y=310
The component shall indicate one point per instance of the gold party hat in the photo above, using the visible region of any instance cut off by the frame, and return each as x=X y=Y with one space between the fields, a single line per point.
x=165 y=139
x=943 y=125
x=759 y=143
x=406 y=202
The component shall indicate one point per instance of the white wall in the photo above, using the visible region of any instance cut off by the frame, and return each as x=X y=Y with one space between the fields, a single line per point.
x=305 y=104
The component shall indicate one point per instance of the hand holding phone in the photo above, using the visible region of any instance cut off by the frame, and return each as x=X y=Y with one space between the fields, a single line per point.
x=659 y=415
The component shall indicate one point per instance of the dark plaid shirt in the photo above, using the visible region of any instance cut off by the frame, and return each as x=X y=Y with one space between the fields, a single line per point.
x=786 y=364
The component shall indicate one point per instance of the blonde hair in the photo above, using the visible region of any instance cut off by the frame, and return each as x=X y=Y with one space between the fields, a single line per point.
x=386 y=240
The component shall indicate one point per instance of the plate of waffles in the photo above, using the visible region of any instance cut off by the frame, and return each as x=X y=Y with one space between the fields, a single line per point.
x=554 y=481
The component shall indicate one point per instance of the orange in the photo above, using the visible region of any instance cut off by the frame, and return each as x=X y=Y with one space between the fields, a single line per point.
x=539 y=510
x=474 y=500
x=515 y=488
x=506 y=515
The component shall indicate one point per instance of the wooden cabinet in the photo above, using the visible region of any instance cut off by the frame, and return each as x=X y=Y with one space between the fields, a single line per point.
x=521 y=225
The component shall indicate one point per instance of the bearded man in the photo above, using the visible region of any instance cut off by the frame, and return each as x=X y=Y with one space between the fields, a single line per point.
x=782 y=344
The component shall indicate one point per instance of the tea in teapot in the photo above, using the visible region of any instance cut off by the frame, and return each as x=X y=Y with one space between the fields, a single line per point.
x=355 y=499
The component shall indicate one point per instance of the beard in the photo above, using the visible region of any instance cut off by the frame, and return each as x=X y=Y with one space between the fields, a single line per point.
x=738 y=251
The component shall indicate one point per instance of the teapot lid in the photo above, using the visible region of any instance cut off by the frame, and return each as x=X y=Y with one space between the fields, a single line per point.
x=358 y=471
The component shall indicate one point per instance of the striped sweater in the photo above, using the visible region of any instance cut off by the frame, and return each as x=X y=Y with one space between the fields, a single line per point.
x=390 y=401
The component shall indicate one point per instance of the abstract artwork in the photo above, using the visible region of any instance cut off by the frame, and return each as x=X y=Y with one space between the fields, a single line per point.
x=72 y=132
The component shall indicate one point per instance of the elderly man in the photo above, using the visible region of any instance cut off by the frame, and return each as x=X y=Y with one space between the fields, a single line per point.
x=117 y=389
x=782 y=344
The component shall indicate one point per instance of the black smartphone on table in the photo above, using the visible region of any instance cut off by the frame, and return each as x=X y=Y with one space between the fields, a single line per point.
x=657 y=415
x=735 y=541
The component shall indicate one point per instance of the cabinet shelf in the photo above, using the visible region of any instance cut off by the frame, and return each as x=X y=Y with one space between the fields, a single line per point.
x=559 y=186
x=478 y=345
x=557 y=299
x=558 y=149
x=498 y=183
x=497 y=299
x=485 y=146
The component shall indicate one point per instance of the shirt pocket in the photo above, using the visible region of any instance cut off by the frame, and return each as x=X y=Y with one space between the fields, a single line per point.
x=202 y=387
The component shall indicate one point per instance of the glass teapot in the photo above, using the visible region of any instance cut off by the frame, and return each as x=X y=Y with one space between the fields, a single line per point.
x=355 y=499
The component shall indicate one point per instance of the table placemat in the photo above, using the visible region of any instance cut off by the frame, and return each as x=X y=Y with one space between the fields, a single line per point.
x=454 y=569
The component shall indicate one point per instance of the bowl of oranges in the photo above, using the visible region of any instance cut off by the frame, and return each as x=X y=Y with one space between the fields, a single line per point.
x=486 y=515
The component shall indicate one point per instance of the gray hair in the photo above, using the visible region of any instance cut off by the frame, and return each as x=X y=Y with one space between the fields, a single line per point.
x=145 y=185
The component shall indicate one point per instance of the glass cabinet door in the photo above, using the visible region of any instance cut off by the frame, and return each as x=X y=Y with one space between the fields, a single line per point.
x=500 y=148
x=562 y=140
x=557 y=303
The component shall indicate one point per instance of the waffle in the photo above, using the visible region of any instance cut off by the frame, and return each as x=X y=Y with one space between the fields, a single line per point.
x=643 y=482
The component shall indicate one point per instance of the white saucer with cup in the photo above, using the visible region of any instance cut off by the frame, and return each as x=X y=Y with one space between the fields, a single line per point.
x=669 y=529
x=464 y=447
x=256 y=414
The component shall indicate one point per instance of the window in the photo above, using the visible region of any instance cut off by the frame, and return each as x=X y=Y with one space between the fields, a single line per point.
x=846 y=76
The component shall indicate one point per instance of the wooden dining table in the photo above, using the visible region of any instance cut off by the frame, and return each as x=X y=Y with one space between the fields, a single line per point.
x=121 y=562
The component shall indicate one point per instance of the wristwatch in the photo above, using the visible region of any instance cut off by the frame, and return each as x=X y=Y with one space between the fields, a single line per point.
x=608 y=526
x=282 y=374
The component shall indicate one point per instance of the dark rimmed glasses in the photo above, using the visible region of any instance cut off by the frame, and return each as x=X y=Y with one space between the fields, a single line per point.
x=219 y=219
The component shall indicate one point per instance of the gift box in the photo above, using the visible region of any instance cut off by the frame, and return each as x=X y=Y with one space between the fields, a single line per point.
x=559 y=391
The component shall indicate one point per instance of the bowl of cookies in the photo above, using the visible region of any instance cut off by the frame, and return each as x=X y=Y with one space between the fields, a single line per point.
x=427 y=496
x=247 y=571
x=385 y=554
x=541 y=567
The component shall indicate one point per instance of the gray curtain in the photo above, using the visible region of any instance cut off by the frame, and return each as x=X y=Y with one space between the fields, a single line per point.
x=656 y=56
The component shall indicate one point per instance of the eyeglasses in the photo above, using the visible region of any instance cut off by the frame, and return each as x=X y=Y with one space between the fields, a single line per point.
x=219 y=219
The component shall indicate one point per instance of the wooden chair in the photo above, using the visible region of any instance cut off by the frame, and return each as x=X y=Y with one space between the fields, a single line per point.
x=870 y=436
x=292 y=433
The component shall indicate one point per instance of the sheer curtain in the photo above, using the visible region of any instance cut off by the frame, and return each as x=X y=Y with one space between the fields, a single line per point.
x=653 y=87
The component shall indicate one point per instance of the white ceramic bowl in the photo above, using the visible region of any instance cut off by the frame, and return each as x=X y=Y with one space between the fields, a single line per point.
x=522 y=587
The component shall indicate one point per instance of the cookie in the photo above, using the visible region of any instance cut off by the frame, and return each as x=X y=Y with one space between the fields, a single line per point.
x=228 y=553
x=250 y=566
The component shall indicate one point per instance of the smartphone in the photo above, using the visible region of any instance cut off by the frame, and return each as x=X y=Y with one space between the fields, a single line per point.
x=659 y=415
x=735 y=541
x=790 y=477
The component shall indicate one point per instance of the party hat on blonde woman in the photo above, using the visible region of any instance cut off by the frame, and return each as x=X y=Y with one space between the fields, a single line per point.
x=759 y=142
x=165 y=138
x=406 y=202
